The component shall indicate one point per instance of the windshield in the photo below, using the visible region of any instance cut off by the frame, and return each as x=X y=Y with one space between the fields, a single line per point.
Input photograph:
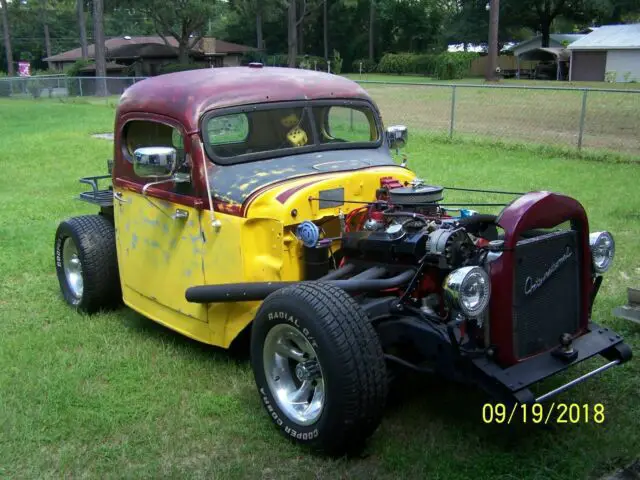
x=274 y=130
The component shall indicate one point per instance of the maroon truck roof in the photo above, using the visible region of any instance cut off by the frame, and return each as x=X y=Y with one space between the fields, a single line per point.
x=185 y=96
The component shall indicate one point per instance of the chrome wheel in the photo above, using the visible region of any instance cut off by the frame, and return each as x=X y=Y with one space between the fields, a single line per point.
x=294 y=374
x=72 y=268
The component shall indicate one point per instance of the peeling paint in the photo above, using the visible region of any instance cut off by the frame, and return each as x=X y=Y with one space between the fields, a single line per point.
x=134 y=241
x=150 y=221
x=235 y=183
x=152 y=243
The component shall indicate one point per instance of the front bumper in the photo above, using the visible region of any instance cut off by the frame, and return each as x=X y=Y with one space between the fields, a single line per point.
x=512 y=384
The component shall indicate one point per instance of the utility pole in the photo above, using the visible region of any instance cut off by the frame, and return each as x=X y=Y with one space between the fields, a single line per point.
x=494 y=10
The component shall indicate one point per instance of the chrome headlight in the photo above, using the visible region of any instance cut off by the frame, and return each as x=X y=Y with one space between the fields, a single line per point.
x=468 y=289
x=603 y=249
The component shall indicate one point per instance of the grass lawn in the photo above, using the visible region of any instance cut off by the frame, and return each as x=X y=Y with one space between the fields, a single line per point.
x=116 y=395
x=384 y=77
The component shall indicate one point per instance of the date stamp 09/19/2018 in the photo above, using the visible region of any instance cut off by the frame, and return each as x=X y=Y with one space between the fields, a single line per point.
x=545 y=414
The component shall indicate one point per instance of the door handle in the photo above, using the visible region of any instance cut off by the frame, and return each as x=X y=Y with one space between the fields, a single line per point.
x=120 y=197
x=180 y=214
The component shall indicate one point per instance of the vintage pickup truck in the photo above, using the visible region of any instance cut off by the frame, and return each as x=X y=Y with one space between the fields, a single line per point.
x=265 y=203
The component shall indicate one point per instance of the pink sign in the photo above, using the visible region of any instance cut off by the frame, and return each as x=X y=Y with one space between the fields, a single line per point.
x=24 y=69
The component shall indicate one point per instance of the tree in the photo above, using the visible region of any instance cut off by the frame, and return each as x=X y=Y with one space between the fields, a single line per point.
x=44 y=18
x=540 y=15
x=295 y=25
x=292 y=33
x=372 y=19
x=325 y=29
x=99 y=48
x=82 y=27
x=7 y=37
x=184 y=20
x=259 y=37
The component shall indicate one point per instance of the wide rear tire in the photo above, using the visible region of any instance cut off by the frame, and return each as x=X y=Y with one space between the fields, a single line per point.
x=316 y=333
x=87 y=263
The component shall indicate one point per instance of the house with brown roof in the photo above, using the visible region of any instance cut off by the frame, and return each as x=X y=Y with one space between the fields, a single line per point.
x=144 y=56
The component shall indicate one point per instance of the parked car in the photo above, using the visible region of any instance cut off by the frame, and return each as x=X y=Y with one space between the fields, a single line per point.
x=265 y=203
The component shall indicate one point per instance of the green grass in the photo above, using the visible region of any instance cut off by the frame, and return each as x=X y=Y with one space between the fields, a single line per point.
x=115 y=395
x=384 y=77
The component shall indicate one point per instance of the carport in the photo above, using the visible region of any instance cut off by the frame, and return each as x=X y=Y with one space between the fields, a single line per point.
x=544 y=54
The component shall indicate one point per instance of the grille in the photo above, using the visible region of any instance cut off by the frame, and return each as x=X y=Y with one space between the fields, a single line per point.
x=546 y=291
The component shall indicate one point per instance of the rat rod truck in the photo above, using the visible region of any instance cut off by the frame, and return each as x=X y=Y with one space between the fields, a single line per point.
x=265 y=204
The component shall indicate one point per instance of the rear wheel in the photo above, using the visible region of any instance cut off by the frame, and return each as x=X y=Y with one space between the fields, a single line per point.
x=87 y=264
x=319 y=367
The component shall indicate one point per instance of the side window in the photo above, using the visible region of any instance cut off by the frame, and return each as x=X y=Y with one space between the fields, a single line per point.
x=146 y=133
x=349 y=124
x=228 y=129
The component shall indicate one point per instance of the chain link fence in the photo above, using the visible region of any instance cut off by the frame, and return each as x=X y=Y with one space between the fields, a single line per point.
x=578 y=118
x=61 y=86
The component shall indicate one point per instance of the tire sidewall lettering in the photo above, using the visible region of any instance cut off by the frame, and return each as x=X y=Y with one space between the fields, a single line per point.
x=277 y=316
x=298 y=432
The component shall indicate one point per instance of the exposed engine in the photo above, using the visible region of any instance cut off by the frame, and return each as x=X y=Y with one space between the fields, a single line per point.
x=408 y=226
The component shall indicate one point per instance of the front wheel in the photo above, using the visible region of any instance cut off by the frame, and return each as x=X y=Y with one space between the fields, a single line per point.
x=319 y=367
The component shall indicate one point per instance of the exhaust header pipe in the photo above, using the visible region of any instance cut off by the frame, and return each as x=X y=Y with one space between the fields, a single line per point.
x=245 y=292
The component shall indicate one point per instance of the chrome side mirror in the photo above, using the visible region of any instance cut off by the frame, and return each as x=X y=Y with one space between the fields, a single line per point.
x=397 y=136
x=155 y=162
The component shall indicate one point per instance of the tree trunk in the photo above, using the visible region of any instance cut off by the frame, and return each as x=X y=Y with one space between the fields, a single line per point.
x=372 y=17
x=101 y=62
x=300 y=22
x=47 y=44
x=82 y=24
x=545 y=27
x=45 y=26
x=259 y=40
x=7 y=38
x=492 y=64
x=183 y=51
x=292 y=33
x=325 y=21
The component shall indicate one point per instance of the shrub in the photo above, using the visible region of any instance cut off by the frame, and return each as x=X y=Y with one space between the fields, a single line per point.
x=309 y=62
x=180 y=67
x=443 y=66
x=74 y=69
x=34 y=86
x=368 y=66
x=5 y=85
x=453 y=65
x=398 y=63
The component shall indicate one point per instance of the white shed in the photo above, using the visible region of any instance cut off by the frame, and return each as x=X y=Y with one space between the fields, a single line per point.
x=611 y=52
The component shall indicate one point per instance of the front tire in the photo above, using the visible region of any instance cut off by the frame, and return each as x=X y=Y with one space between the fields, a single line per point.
x=87 y=263
x=319 y=367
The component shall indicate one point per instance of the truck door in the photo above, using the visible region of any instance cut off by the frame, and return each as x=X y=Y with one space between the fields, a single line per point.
x=158 y=232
